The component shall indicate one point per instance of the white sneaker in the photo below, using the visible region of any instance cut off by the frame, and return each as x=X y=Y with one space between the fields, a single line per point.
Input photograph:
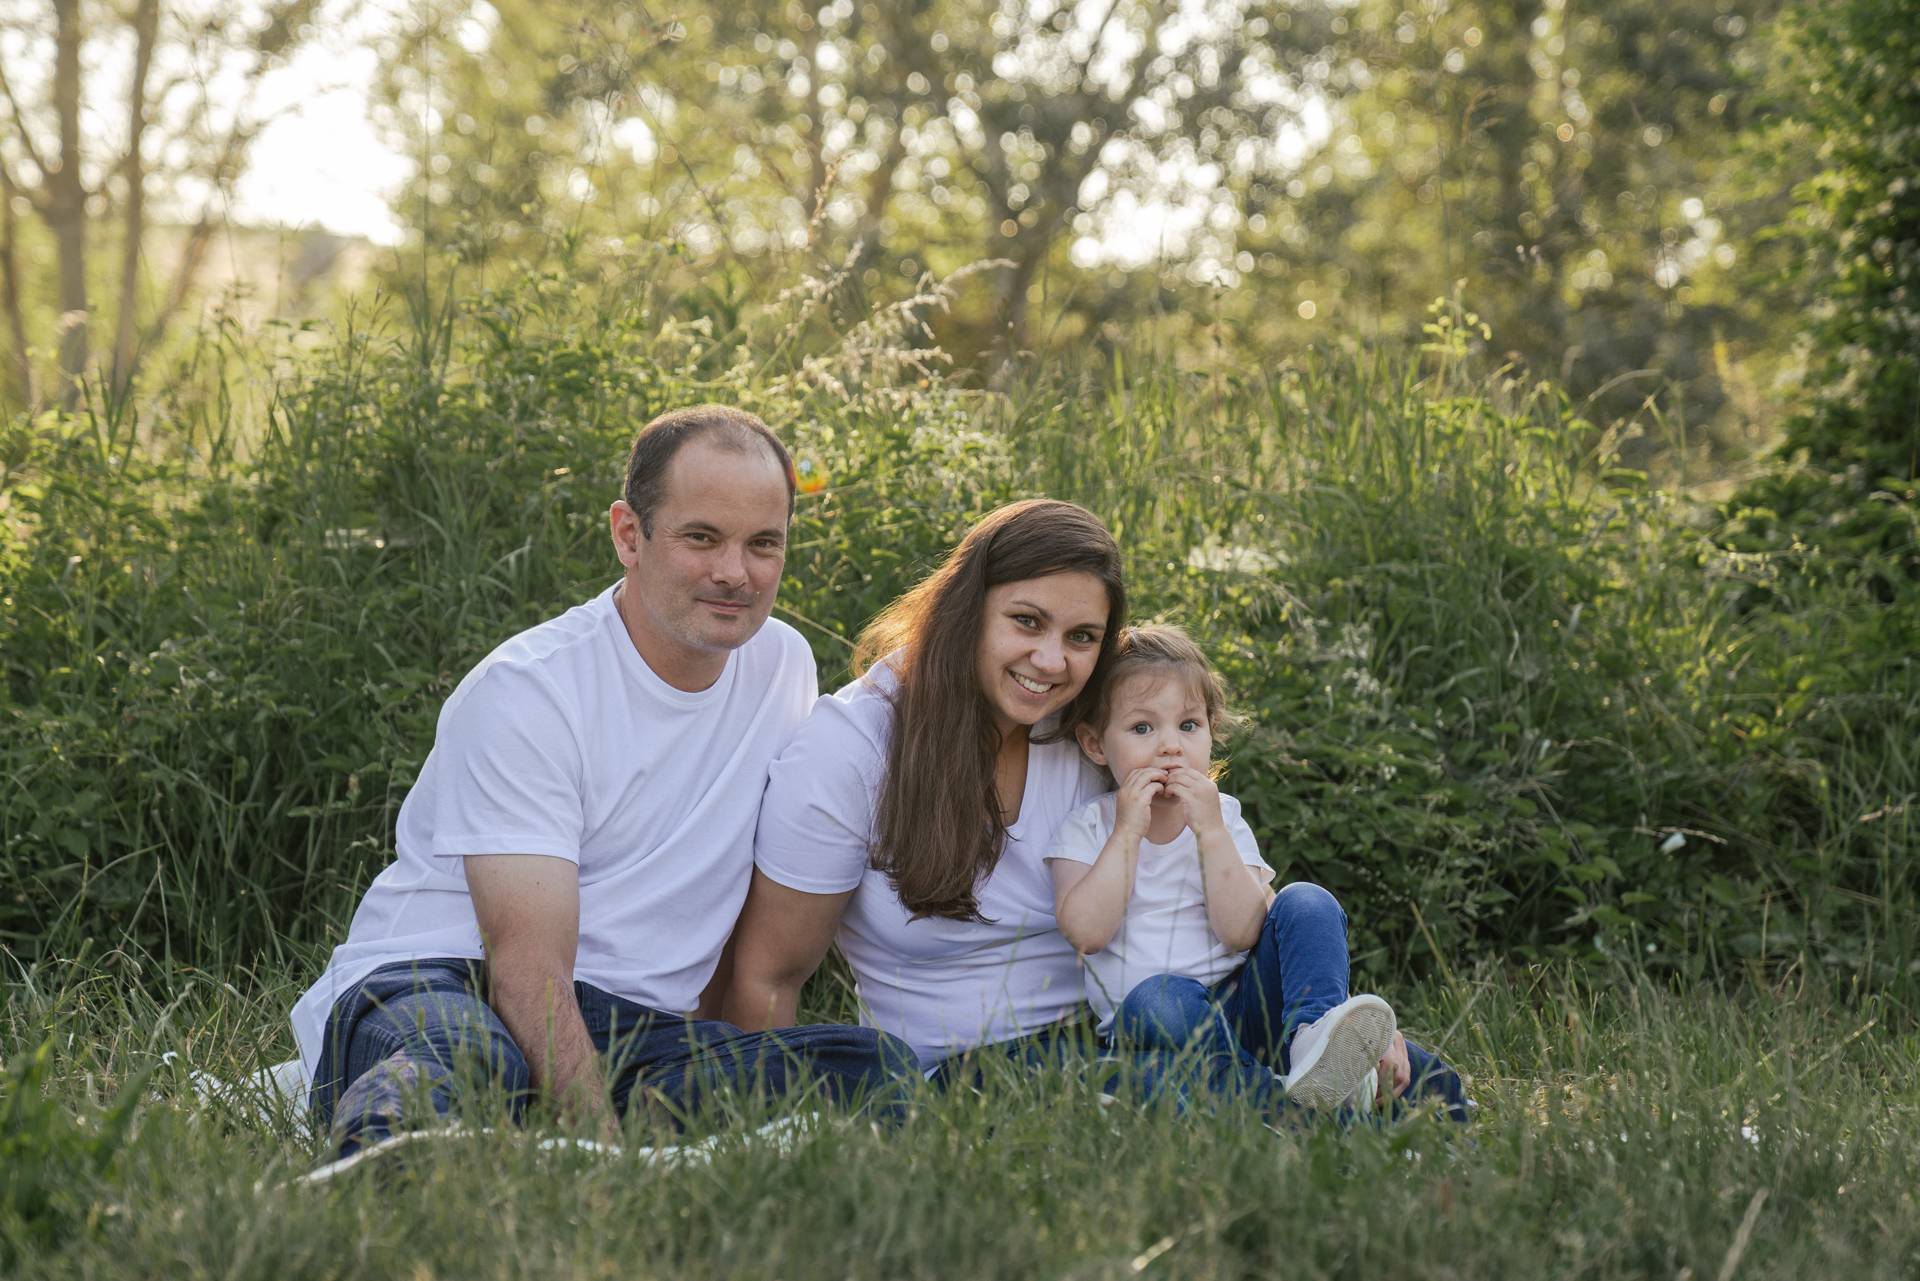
x=1338 y=1054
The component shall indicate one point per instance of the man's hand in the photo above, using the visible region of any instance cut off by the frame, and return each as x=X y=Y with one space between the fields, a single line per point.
x=1395 y=1071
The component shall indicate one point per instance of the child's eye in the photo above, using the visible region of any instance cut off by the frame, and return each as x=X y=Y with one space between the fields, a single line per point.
x=1189 y=726
x=1139 y=727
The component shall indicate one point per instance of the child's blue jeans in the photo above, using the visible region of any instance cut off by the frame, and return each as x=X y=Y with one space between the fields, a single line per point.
x=1238 y=1028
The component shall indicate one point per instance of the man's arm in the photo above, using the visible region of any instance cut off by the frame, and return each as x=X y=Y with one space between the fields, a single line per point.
x=782 y=935
x=528 y=906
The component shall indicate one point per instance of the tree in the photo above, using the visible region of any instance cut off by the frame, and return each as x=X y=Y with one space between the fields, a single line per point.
x=882 y=140
x=1855 y=69
x=1570 y=164
x=129 y=83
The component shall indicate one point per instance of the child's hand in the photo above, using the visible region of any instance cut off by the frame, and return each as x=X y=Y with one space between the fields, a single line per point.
x=1133 y=806
x=1197 y=793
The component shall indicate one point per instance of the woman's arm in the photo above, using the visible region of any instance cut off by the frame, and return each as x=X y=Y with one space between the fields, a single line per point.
x=777 y=945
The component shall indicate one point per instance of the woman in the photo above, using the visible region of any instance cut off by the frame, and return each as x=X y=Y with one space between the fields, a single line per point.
x=909 y=817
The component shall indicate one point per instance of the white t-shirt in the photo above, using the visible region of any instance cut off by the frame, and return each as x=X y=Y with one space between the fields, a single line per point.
x=1166 y=930
x=564 y=742
x=942 y=986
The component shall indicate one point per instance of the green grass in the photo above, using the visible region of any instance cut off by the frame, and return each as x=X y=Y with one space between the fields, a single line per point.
x=1489 y=675
x=1626 y=1130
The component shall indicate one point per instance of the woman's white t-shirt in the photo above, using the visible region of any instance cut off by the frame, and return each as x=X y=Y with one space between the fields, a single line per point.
x=1166 y=929
x=943 y=986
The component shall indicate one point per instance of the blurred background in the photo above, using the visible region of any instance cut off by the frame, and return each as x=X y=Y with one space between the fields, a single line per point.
x=1222 y=181
x=1519 y=398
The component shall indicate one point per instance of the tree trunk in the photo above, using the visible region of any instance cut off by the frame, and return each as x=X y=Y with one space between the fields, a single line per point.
x=66 y=209
x=10 y=289
x=146 y=21
x=1015 y=283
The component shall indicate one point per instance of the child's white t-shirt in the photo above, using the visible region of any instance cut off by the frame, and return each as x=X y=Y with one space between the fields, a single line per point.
x=1166 y=930
x=564 y=742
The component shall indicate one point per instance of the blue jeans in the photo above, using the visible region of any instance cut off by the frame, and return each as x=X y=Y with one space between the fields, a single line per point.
x=418 y=1030
x=1239 y=1029
x=1140 y=1075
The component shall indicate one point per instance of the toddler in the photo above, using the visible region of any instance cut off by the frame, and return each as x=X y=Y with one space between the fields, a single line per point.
x=1161 y=887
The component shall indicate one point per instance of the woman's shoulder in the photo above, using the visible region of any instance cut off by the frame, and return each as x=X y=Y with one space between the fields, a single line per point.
x=852 y=724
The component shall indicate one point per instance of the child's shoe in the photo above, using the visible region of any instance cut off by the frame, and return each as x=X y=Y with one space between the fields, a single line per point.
x=1335 y=1056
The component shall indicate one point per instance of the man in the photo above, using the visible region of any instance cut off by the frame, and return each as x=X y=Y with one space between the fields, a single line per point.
x=580 y=839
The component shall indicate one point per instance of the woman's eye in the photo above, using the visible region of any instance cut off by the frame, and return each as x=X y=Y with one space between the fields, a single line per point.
x=1026 y=620
x=1080 y=638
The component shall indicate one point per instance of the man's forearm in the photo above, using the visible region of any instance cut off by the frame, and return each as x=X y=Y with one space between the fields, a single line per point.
x=536 y=1003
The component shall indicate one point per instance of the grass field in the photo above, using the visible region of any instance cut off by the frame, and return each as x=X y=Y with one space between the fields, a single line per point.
x=1625 y=1130
x=1517 y=707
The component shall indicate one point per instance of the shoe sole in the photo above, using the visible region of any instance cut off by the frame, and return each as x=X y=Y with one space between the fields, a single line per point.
x=1352 y=1048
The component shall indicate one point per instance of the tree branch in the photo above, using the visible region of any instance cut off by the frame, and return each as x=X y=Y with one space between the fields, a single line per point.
x=146 y=22
x=26 y=138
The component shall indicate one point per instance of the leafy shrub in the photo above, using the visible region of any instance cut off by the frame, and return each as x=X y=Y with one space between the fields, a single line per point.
x=1505 y=697
x=1854 y=66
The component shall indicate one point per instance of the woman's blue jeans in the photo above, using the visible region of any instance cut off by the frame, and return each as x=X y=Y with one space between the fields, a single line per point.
x=1235 y=1033
x=419 y=1031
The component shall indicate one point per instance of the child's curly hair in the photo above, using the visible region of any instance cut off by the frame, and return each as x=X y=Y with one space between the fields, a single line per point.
x=1156 y=647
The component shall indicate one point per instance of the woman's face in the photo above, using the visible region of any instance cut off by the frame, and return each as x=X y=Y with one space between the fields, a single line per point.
x=1038 y=644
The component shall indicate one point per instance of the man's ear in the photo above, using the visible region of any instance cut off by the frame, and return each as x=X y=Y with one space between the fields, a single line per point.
x=624 y=525
x=1090 y=744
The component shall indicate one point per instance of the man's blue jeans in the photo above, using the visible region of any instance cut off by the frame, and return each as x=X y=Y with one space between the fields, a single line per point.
x=423 y=1029
x=1239 y=1029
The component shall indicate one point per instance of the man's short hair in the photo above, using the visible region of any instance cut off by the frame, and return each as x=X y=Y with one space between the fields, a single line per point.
x=660 y=441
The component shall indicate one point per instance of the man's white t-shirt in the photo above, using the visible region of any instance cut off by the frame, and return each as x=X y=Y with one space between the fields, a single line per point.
x=1165 y=930
x=564 y=742
x=942 y=986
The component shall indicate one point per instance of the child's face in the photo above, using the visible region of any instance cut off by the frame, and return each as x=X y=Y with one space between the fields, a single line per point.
x=1156 y=720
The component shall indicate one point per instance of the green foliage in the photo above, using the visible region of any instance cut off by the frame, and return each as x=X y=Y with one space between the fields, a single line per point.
x=1856 y=67
x=1492 y=676
x=52 y=1161
x=1627 y=1128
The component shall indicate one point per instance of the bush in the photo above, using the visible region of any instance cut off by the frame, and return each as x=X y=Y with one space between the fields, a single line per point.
x=1504 y=697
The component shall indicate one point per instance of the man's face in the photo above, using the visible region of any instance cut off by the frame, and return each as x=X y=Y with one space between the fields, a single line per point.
x=701 y=585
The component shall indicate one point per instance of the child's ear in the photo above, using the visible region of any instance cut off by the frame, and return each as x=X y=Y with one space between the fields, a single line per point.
x=1090 y=744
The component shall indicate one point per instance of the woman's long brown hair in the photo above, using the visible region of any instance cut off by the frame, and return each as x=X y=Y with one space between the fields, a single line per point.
x=939 y=830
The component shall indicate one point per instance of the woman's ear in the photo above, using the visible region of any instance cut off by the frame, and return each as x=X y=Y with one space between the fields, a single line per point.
x=1090 y=744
